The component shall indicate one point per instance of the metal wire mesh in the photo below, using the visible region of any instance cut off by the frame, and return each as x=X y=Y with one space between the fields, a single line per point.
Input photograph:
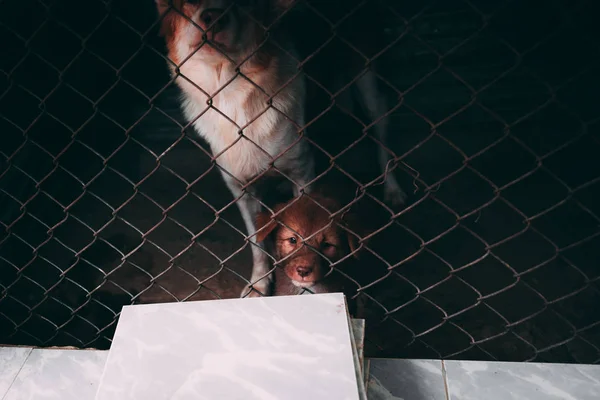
x=108 y=197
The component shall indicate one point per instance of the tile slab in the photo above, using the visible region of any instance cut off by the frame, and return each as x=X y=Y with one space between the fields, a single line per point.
x=288 y=347
x=474 y=380
x=358 y=330
x=393 y=379
x=58 y=374
x=11 y=361
x=358 y=366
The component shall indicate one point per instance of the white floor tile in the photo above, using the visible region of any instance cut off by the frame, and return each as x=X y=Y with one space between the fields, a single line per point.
x=11 y=361
x=58 y=374
x=392 y=379
x=295 y=347
x=474 y=380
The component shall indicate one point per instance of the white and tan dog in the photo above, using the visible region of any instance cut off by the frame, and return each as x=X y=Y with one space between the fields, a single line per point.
x=244 y=97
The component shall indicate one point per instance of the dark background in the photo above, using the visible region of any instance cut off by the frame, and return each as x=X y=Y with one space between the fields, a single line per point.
x=105 y=198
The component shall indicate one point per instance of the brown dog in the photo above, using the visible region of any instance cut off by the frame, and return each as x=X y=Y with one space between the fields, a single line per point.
x=305 y=241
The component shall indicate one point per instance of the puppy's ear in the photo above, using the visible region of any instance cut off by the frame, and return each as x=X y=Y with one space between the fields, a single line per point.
x=351 y=224
x=352 y=243
x=264 y=226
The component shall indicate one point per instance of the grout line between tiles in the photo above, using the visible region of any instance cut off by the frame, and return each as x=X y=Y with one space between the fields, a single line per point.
x=17 y=374
x=445 y=377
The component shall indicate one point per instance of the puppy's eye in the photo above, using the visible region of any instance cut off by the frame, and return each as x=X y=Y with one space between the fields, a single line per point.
x=328 y=245
x=293 y=240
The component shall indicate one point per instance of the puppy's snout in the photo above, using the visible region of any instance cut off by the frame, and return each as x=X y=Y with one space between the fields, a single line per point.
x=214 y=19
x=303 y=271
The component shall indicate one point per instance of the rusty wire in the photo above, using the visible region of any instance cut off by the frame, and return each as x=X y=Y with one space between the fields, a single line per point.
x=476 y=265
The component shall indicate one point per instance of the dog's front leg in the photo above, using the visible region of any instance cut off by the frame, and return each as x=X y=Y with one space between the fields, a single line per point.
x=261 y=280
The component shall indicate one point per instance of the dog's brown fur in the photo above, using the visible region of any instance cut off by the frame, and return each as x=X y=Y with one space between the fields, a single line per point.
x=305 y=240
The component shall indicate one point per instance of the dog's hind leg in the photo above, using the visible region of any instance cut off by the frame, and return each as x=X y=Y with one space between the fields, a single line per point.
x=375 y=104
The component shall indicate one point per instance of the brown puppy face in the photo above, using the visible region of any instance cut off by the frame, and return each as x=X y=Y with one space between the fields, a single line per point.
x=306 y=239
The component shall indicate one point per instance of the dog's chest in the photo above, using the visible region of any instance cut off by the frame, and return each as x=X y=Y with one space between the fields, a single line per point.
x=237 y=122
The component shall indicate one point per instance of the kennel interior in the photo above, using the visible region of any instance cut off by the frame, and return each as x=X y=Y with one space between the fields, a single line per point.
x=107 y=198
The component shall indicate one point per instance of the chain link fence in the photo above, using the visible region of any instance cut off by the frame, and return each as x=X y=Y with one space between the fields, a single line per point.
x=108 y=197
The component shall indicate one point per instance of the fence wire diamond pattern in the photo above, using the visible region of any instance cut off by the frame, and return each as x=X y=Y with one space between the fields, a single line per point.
x=108 y=197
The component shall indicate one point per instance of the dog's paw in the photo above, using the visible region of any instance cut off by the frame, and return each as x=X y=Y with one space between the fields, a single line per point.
x=259 y=289
x=393 y=194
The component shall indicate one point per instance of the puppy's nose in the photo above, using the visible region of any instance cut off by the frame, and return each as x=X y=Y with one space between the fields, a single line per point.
x=303 y=271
